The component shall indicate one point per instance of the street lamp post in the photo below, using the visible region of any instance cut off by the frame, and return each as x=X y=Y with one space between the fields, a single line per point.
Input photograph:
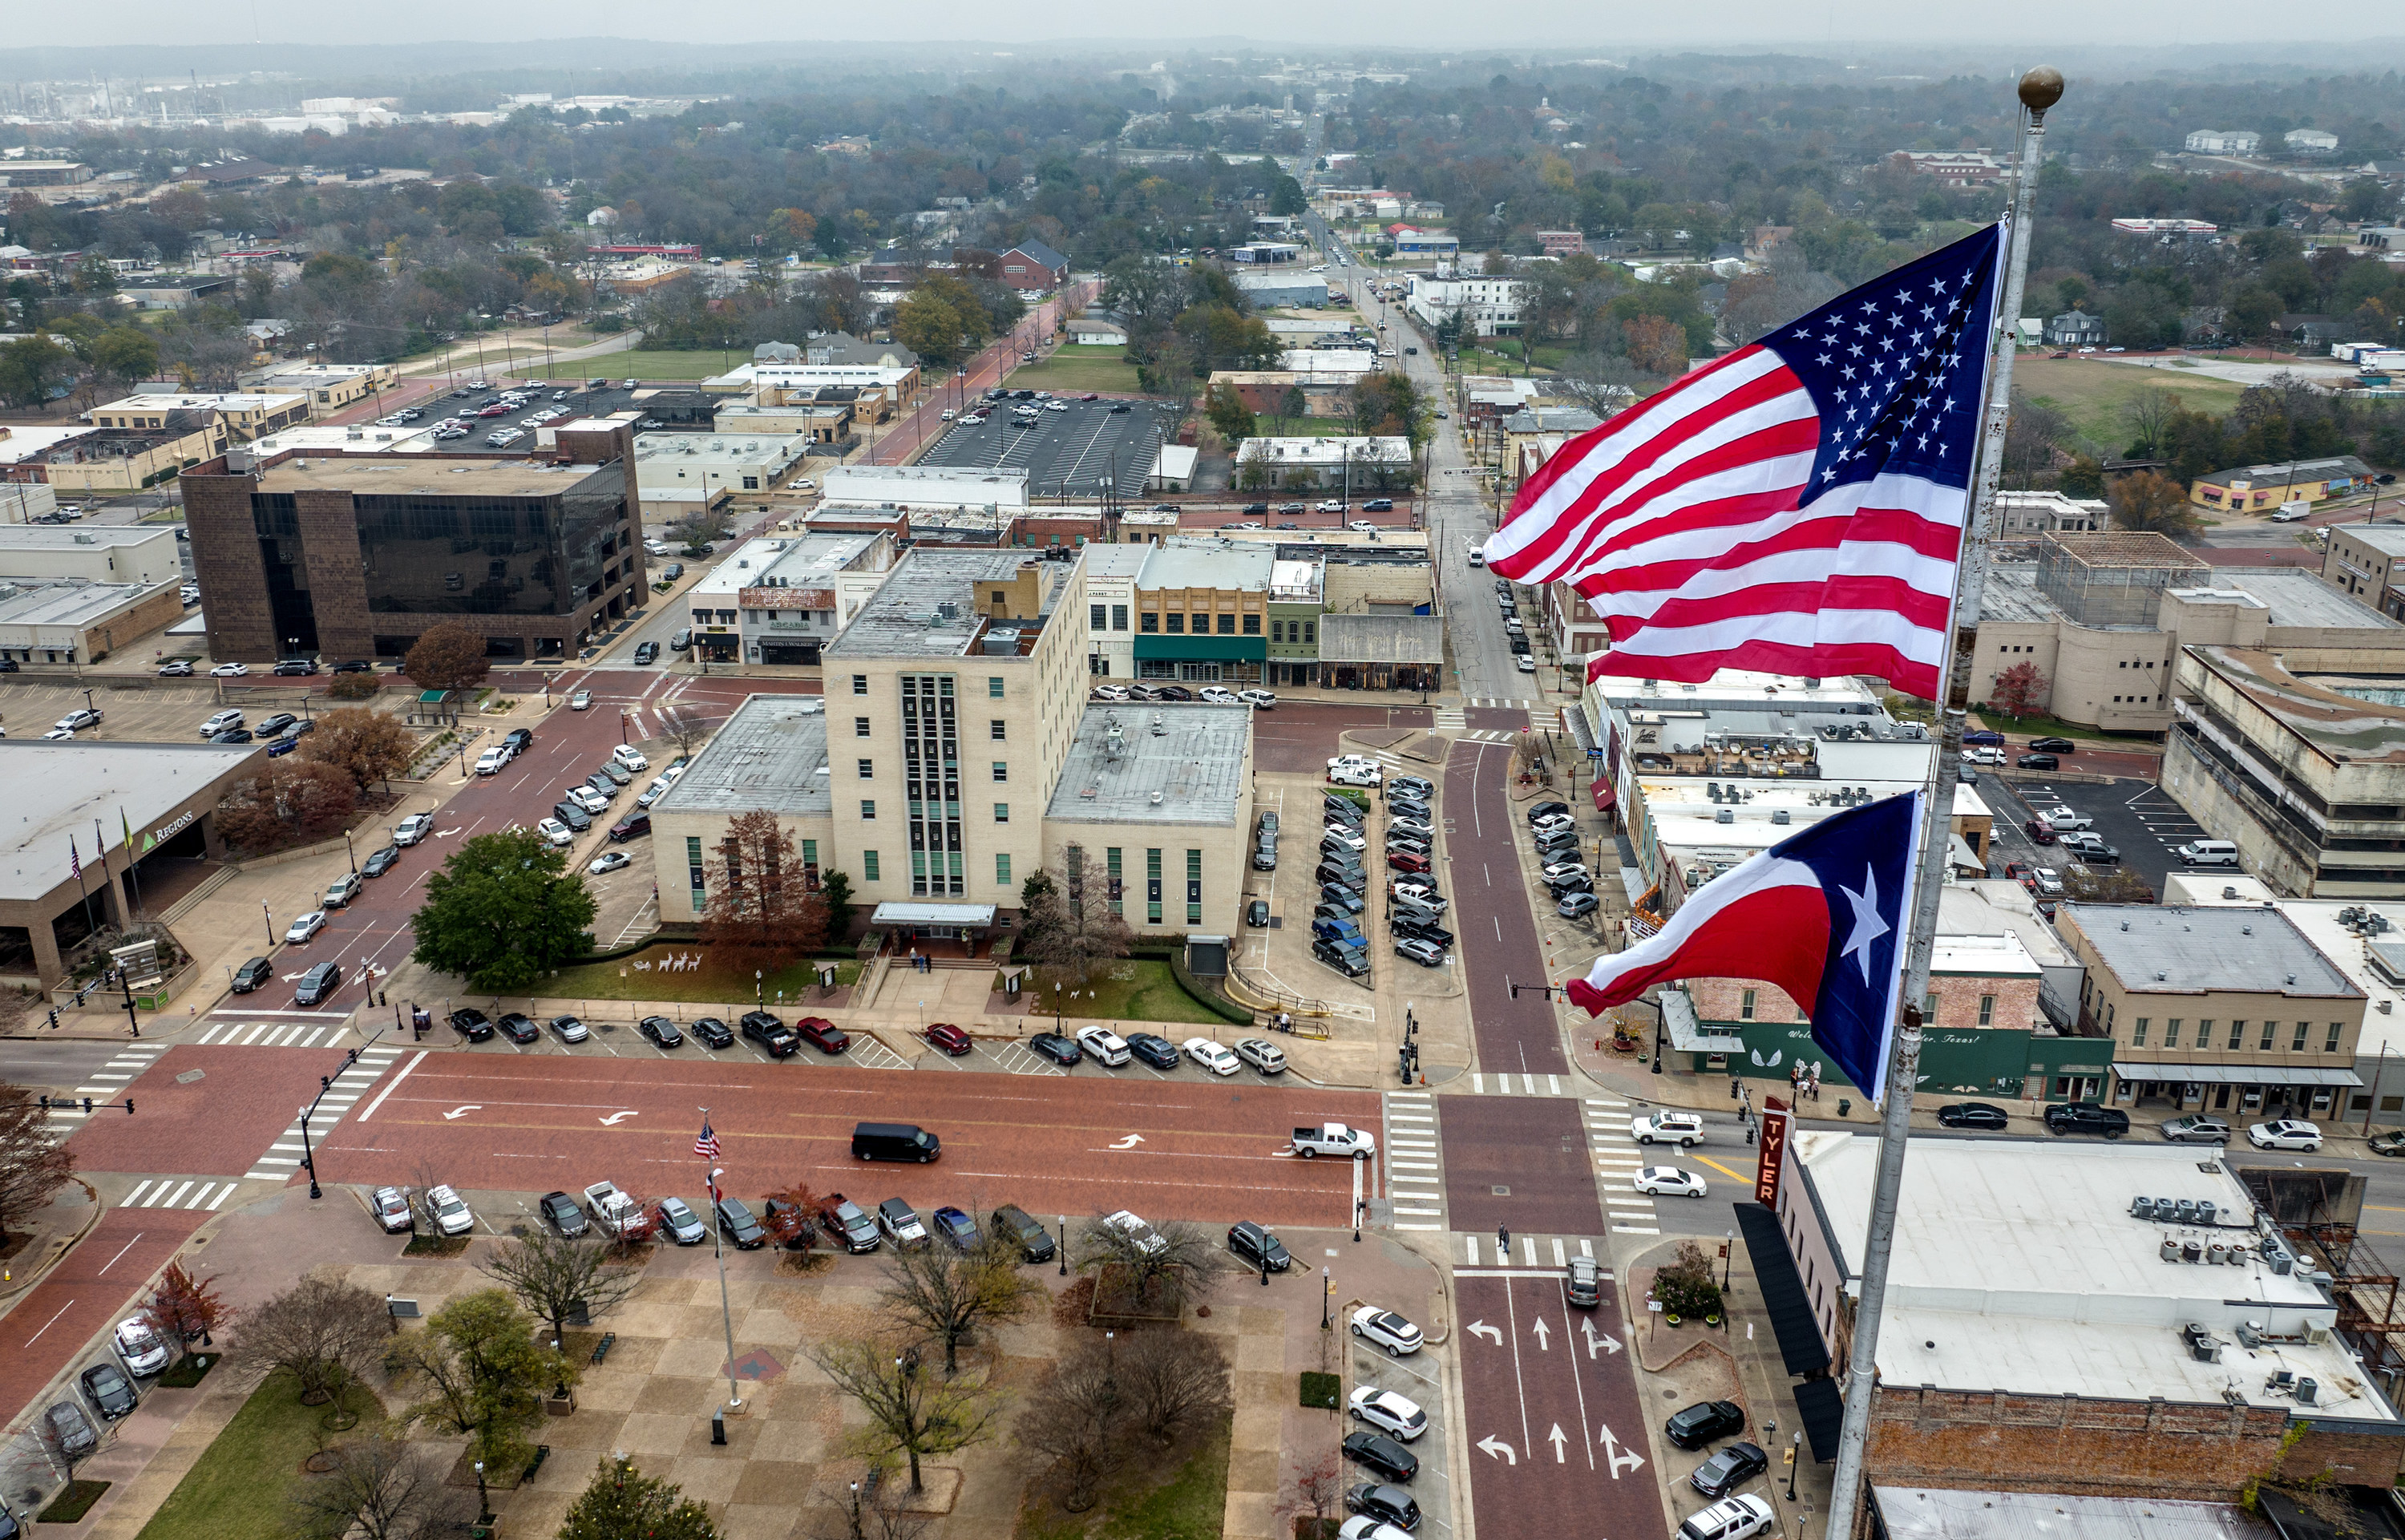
x=1065 y=1246
x=352 y=851
x=1327 y=1292
x=483 y=1503
x=268 y=916
x=1796 y=1458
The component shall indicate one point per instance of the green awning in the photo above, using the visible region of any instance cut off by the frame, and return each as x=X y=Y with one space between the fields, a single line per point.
x=1221 y=649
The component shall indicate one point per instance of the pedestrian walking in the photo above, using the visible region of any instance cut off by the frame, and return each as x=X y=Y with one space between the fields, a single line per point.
x=1503 y=1241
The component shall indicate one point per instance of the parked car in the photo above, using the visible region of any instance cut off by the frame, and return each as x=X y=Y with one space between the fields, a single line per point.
x=138 y=1348
x=1388 y=1330
x=1211 y=1056
x=1693 y=1427
x=390 y=1206
x=343 y=889
x=2196 y=1128
x=1382 y=1454
x=1263 y=1055
x=737 y=1223
x=2052 y=746
x=1730 y=1518
x=822 y=1034
x=1729 y=1468
x=1154 y=1049
x=1034 y=1242
x=1060 y=1049
x=948 y=1038
x=1257 y=1247
x=899 y=1223
x=564 y=1214
x=410 y=830
x=710 y=1032
x=71 y=1431
x=1972 y=1114
x=1399 y=1414
x=771 y=1034
x=2284 y=1134
x=1426 y=953
x=1387 y=1504
x=2078 y=1117
x=252 y=974
x=446 y=1211
x=568 y=1029
x=660 y=1032
x=380 y=861
x=680 y=1224
x=472 y=1024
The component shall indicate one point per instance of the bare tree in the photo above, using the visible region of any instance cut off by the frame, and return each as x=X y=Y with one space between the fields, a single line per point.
x=32 y=1163
x=882 y=1513
x=1604 y=383
x=2148 y=413
x=950 y=1296
x=1070 y=928
x=380 y=1488
x=908 y=1412
x=320 y=1334
x=1072 y=1417
x=1150 y=1257
x=1173 y=1381
x=1319 y=1487
x=555 y=1277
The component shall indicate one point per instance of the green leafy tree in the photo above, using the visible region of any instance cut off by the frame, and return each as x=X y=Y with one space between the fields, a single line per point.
x=931 y=328
x=623 y=1503
x=125 y=353
x=30 y=367
x=2083 y=477
x=477 y=1369
x=836 y=890
x=503 y=911
x=1229 y=414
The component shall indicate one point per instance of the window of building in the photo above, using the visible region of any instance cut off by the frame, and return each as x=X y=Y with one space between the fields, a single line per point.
x=1311 y=630
x=1111 y=866
x=2237 y=1034
x=2329 y=1045
x=860 y=727
x=868 y=809
x=1002 y=813
x=868 y=770
x=1193 y=887
x=693 y=867
x=992 y=686
x=2138 y=1031
x=1987 y=1010
x=2270 y=1026
x=1001 y=732
x=2108 y=1018
x=1252 y=624
x=1002 y=869
x=1277 y=630
x=1118 y=617
x=2172 y=1032
x=1226 y=625
x=1151 y=623
x=1177 y=620
x=1745 y=1006
x=2296 y=1044
x=1001 y=769
x=810 y=853
x=869 y=866
x=1152 y=885
x=1098 y=615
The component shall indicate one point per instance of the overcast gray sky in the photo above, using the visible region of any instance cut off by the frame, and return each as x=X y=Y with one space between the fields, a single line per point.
x=1733 y=24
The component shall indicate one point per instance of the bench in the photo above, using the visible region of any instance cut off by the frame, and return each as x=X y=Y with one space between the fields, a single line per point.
x=602 y=1349
x=541 y=1453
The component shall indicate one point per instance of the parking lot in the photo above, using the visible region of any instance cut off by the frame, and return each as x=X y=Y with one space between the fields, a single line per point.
x=1064 y=453
x=164 y=713
x=2135 y=817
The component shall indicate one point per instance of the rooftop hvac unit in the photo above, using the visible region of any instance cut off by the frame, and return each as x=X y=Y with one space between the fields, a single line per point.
x=2250 y=1333
x=2191 y=1251
x=1778 y=815
x=1001 y=643
x=2184 y=1211
x=2317 y=1336
x=2142 y=1207
x=2170 y=1250
x=2308 y=1390
x=2206 y=1212
x=1724 y=815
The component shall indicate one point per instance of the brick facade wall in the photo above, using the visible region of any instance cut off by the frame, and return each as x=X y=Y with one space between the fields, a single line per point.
x=1924 y=1437
x=226 y=560
x=1957 y=1001
x=338 y=590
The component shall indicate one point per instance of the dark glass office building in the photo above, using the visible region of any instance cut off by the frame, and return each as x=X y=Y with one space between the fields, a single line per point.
x=354 y=556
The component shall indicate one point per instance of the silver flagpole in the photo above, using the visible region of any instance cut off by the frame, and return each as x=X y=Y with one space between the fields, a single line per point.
x=2040 y=88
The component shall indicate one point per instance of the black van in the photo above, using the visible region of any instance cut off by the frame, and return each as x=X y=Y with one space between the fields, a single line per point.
x=894 y=1141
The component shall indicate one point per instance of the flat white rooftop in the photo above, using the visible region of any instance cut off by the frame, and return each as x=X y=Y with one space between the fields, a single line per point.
x=2019 y=1266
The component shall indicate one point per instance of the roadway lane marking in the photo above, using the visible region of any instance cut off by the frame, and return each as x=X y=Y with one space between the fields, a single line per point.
x=127 y=1247
x=48 y=1324
x=1733 y=1176
x=369 y=1110
x=1634 y=1230
x=219 y=1201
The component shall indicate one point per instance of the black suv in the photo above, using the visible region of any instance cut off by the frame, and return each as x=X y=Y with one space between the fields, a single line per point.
x=771 y=1034
x=1257 y=1247
x=1387 y=1504
x=1033 y=1241
x=1699 y=1424
x=2087 y=1117
x=252 y=974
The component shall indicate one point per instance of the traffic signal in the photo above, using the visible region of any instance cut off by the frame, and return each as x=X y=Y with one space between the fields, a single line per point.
x=129 y=1107
x=46 y=1104
x=325 y=1083
x=86 y=1103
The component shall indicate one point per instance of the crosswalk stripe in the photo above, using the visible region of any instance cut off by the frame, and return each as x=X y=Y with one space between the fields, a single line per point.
x=1561 y=1258
x=200 y=1197
x=134 y=1199
x=1423 y=1212
x=1586 y=1248
x=219 y=1201
x=172 y=1202
x=1634 y=1230
x=274 y=1160
x=257 y=1032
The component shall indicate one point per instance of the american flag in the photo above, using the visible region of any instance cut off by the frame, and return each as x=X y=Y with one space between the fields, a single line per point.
x=75 y=860
x=1796 y=506
x=706 y=1145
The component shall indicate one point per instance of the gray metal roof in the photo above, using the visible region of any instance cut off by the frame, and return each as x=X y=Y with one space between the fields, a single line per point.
x=1191 y=561
x=905 y=619
x=1174 y=763
x=771 y=755
x=2300 y=597
x=1381 y=638
x=1915 y=1513
x=2215 y=949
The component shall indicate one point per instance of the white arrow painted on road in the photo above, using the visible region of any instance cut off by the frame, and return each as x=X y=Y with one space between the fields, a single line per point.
x=462 y=1112
x=1542 y=1330
x=1496 y=1450
x=1616 y=1457
x=1560 y=1440
x=612 y=1119
x=1597 y=1339
x=1479 y=1327
x=446 y=833
x=1130 y=1142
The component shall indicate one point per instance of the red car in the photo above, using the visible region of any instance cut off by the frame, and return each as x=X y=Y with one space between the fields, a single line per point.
x=1407 y=860
x=2039 y=831
x=822 y=1033
x=951 y=1038
x=1090 y=396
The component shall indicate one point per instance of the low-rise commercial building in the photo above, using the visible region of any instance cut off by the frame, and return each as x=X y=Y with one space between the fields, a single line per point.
x=2048 y=1328
x=127 y=459
x=1357 y=466
x=1203 y=611
x=2234 y=1010
x=1112 y=571
x=713 y=462
x=76 y=620
x=1487 y=306
x=1152 y=814
x=781 y=599
x=238 y=416
x=2299 y=758
x=927 y=488
x=329 y=386
x=25 y=454
x=139 y=554
x=2251 y=488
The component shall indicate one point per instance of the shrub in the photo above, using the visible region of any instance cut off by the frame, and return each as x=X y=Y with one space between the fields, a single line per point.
x=1687 y=1287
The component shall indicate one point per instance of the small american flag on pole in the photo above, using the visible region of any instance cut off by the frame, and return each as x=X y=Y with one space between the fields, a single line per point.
x=1796 y=506
x=75 y=860
x=706 y=1145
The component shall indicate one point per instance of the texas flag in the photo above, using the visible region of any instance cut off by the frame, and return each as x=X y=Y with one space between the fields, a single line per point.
x=1821 y=915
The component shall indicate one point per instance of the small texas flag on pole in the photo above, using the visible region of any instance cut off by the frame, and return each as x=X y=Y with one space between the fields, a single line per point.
x=1821 y=915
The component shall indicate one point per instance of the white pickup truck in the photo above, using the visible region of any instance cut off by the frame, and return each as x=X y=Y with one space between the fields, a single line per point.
x=2064 y=821
x=618 y=1215
x=1333 y=1139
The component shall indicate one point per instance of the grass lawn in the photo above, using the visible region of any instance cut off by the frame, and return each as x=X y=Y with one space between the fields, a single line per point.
x=2094 y=396
x=2039 y=725
x=666 y=364
x=1078 y=368
x=1304 y=428
x=721 y=980
x=249 y=1465
x=1189 y=1504
x=1134 y=989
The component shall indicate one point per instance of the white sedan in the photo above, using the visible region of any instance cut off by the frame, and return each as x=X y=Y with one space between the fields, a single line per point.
x=2284 y=1134
x=1211 y=1055
x=1669 y=1182
x=229 y=670
x=555 y=833
x=1394 y=1333
x=580 y=701
x=306 y=926
x=610 y=860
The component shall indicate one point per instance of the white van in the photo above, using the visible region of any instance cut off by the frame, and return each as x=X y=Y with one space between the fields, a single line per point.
x=2208 y=853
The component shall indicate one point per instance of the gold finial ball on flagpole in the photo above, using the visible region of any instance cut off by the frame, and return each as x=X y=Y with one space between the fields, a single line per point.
x=2041 y=88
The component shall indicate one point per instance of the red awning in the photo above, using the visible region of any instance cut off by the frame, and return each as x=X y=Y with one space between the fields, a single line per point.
x=1605 y=798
